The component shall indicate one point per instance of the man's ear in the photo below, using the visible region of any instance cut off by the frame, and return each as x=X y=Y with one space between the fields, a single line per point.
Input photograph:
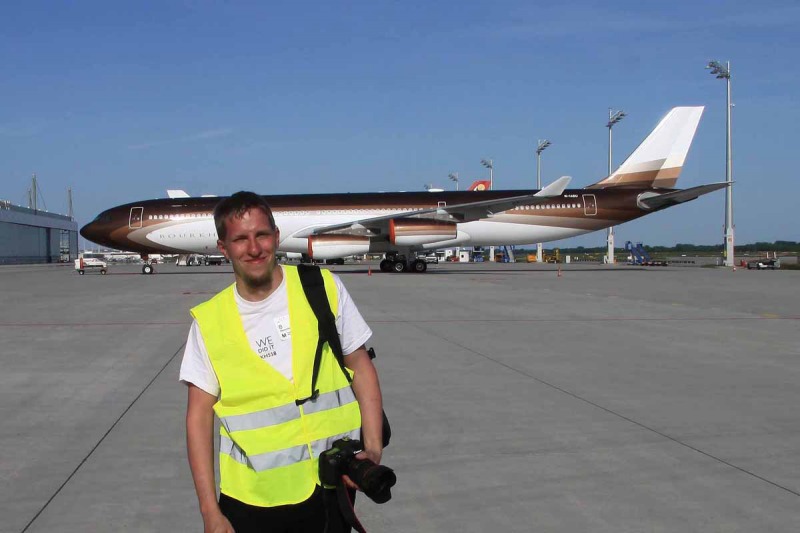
x=222 y=250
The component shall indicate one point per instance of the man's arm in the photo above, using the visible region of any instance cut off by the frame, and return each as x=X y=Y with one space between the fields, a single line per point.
x=200 y=447
x=368 y=393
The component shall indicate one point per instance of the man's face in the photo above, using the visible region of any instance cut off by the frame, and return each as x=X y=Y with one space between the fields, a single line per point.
x=250 y=244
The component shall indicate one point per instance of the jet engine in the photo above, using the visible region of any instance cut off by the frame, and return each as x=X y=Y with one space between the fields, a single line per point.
x=331 y=246
x=415 y=231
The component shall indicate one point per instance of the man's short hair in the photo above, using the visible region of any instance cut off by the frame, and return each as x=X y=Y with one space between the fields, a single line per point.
x=237 y=205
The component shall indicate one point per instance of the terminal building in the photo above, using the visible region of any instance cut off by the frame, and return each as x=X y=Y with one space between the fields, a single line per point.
x=33 y=236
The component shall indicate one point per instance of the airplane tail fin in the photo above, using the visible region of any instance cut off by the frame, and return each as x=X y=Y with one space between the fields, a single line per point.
x=658 y=161
x=479 y=185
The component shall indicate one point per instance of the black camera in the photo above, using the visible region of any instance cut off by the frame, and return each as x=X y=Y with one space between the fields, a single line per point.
x=375 y=480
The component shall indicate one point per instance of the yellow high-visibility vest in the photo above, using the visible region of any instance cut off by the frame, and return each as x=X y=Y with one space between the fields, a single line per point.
x=270 y=445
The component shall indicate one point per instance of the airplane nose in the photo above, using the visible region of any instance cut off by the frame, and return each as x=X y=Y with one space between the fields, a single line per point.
x=98 y=230
x=91 y=231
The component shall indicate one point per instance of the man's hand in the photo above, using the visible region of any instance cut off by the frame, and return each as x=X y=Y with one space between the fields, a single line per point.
x=217 y=523
x=372 y=455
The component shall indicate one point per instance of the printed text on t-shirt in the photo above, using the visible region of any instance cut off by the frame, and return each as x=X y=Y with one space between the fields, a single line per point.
x=266 y=348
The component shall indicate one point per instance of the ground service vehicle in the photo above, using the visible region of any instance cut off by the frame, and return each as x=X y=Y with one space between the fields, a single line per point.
x=763 y=264
x=87 y=262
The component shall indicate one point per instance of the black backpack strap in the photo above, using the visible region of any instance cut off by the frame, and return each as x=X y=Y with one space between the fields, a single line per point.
x=314 y=288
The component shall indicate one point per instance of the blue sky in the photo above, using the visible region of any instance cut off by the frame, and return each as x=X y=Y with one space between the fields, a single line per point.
x=121 y=101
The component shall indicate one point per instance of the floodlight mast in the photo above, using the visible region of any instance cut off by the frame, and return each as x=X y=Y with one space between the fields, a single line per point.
x=723 y=72
x=613 y=118
x=454 y=177
x=488 y=163
x=542 y=145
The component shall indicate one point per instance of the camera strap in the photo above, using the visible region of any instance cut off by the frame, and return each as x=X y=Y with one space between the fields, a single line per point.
x=339 y=510
x=314 y=288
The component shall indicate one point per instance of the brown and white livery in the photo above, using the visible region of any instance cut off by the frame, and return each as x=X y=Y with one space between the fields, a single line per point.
x=325 y=226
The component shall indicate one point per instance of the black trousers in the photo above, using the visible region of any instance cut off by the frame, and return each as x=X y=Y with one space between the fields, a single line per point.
x=304 y=517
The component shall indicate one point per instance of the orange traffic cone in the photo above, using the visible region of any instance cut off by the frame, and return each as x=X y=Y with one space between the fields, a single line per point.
x=369 y=271
x=559 y=271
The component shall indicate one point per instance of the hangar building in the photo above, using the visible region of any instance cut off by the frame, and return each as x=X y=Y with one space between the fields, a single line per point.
x=34 y=236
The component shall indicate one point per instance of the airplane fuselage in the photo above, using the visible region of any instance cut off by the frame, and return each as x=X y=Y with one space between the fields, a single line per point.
x=186 y=225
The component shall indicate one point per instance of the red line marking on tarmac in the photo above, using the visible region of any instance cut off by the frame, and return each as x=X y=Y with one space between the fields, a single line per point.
x=198 y=292
x=89 y=324
x=621 y=319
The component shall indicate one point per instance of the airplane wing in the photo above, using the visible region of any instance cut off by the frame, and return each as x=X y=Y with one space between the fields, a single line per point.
x=452 y=213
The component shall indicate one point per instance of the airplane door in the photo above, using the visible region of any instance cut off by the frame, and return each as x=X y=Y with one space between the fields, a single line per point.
x=137 y=214
x=589 y=205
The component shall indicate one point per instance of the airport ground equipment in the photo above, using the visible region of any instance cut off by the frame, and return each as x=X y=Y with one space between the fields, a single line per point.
x=82 y=264
x=398 y=262
x=187 y=260
x=639 y=255
x=507 y=254
x=555 y=257
x=764 y=264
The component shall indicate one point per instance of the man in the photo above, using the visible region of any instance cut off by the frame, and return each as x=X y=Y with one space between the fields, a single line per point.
x=249 y=359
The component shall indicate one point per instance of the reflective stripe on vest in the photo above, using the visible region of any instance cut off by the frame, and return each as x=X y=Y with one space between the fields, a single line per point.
x=279 y=458
x=288 y=412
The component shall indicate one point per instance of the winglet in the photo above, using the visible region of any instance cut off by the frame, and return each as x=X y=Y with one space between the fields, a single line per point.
x=177 y=193
x=556 y=188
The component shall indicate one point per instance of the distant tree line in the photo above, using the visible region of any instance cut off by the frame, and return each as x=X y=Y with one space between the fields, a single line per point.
x=681 y=248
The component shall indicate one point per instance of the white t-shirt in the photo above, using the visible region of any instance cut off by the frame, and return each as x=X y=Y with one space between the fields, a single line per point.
x=266 y=324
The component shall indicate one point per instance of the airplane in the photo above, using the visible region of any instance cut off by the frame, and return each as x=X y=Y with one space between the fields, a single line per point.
x=398 y=224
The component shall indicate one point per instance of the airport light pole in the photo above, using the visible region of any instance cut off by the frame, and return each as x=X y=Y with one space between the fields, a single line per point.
x=488 y=163
x=454 y=177
x=539 y=149
x=613 y=118
x=723 y=72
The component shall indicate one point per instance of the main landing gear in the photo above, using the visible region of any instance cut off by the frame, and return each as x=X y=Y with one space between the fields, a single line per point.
x=395 y=262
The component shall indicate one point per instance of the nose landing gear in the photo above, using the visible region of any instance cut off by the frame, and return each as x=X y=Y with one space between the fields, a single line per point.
x=147 y=268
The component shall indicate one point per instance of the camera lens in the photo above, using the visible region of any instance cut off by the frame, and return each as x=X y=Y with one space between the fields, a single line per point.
x=375 y=480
